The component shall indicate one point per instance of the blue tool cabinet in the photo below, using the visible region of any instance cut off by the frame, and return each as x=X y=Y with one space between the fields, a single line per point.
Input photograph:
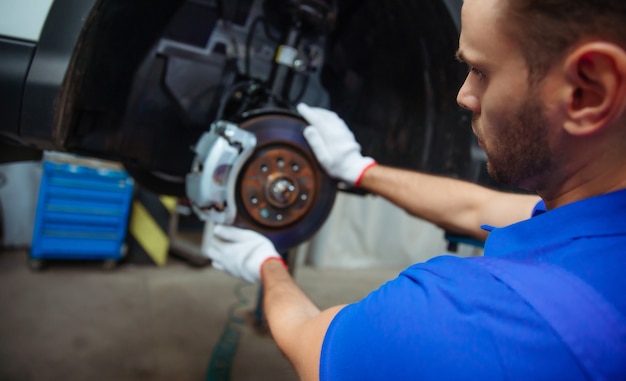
x=82 y=213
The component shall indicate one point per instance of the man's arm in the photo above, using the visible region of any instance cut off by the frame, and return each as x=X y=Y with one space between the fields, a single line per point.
x=455 y=205
x=296 y=324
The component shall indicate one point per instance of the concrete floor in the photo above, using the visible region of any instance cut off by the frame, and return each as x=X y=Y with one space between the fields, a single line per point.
x=76 y=321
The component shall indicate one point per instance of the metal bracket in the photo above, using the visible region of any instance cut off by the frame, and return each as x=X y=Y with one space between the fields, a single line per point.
x=220 y=154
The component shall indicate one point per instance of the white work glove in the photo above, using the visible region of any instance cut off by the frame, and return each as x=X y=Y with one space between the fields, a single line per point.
x=240 y=252
x=334 y=144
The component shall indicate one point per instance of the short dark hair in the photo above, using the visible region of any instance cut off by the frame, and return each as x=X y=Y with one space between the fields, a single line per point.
x=546 y=29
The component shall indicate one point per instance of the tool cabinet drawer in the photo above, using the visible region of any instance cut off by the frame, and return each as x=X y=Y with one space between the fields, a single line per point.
x=82 y=212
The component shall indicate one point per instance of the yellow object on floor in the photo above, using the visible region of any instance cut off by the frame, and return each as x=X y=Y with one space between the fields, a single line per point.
x=148 y=228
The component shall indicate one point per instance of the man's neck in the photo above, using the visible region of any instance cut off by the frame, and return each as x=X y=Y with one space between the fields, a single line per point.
x=592 y=179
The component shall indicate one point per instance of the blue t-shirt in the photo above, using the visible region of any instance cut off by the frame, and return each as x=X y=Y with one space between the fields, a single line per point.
x=450 y=319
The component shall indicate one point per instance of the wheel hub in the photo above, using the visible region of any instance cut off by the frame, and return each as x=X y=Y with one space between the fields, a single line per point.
x=277 y=186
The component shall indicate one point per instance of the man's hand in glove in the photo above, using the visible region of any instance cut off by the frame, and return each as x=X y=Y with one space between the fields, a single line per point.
x=240 y=252
x=334 y=145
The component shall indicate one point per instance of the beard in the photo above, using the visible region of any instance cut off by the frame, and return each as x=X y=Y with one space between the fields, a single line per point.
x=521 y=156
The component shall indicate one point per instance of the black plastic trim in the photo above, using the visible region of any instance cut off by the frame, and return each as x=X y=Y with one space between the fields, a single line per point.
x=52 y=58
x=16 y=58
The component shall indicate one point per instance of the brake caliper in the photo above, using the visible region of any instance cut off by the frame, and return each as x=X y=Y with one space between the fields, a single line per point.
x=220 y=154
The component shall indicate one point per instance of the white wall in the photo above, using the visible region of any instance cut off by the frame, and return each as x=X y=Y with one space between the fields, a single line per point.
x=19 y=189
x=368 y=231
x=23 y=19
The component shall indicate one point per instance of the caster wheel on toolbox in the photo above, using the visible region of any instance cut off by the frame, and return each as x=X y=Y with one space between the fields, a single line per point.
x=36 y=264
x=109 y=264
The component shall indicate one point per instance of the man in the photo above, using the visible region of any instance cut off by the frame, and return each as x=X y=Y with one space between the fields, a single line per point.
x=547 y=87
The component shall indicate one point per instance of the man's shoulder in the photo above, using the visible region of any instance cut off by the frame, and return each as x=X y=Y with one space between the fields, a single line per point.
x=448 y=305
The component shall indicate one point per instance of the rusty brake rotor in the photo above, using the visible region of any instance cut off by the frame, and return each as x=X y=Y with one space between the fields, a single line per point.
x=281 y=190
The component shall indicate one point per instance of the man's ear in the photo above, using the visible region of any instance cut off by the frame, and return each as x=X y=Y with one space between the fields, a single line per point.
x=596 y=77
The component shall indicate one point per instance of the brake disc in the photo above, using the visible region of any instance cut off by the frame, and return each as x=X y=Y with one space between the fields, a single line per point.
x=261 y=175
x=282 y=191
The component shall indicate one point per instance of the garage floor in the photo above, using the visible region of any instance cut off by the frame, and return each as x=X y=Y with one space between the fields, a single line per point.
x=77 y=321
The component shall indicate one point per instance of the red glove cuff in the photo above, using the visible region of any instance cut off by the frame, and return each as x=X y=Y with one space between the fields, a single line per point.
x=358 y=180
x=274 y=258
x=271 y=259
